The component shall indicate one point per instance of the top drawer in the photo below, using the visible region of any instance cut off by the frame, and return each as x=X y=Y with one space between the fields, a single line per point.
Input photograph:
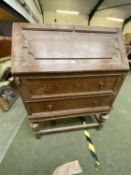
x=40 y=87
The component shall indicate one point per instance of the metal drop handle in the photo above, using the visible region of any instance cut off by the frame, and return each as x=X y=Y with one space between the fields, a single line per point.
x=50 y=107
x=95 y=102
x=101 y=85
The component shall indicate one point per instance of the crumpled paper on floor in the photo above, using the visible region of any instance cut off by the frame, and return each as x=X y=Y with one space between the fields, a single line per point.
x=69 y=168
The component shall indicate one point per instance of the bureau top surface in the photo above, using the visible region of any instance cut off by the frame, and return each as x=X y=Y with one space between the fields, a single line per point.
x=58 y=48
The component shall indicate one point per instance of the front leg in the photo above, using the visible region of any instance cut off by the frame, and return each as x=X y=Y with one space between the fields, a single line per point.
x=35 y=127
x=102 y=119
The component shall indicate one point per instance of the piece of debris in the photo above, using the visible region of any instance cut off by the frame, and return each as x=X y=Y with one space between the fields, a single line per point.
x=69 y=168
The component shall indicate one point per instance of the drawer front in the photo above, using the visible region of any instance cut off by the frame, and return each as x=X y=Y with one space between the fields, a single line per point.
x=72 y=103
x=47 y=87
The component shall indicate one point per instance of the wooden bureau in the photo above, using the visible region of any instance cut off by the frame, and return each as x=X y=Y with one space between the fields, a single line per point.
x=67 y=71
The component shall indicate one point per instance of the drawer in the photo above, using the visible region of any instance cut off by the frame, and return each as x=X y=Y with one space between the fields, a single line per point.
x=35 y=88
x=67 y=104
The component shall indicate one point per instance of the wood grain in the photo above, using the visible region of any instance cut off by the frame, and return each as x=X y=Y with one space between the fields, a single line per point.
x=66 y=71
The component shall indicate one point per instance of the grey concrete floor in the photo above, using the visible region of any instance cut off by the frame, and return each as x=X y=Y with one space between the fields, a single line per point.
x=10 y=122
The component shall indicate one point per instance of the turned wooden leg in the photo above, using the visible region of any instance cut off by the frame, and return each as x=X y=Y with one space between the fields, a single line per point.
x=102 y=119
x=38 y=136
x=35 y=127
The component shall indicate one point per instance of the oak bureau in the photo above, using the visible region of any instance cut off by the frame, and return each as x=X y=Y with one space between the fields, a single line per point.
x=66 y=71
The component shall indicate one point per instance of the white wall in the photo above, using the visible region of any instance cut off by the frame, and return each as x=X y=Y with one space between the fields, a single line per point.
x=49 y=18
x=102 y=21
x=127 y=28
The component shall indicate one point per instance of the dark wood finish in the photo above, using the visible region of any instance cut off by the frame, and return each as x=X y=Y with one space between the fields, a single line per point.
x=67 y=71
x=46 y=116
x=70 y=128
x=69 y=103
x=38 y=87
x=5 y=46
x=102 y=49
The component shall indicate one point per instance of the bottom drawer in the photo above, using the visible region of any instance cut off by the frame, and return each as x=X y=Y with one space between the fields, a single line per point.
x=66 y=104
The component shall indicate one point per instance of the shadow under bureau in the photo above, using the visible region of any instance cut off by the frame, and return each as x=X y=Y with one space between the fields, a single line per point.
x=67 y=71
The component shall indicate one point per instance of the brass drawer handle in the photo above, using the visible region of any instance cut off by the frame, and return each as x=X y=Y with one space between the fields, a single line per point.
x=50 y=107
x=101 y=85
x=17 y=81
x=95 y=102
